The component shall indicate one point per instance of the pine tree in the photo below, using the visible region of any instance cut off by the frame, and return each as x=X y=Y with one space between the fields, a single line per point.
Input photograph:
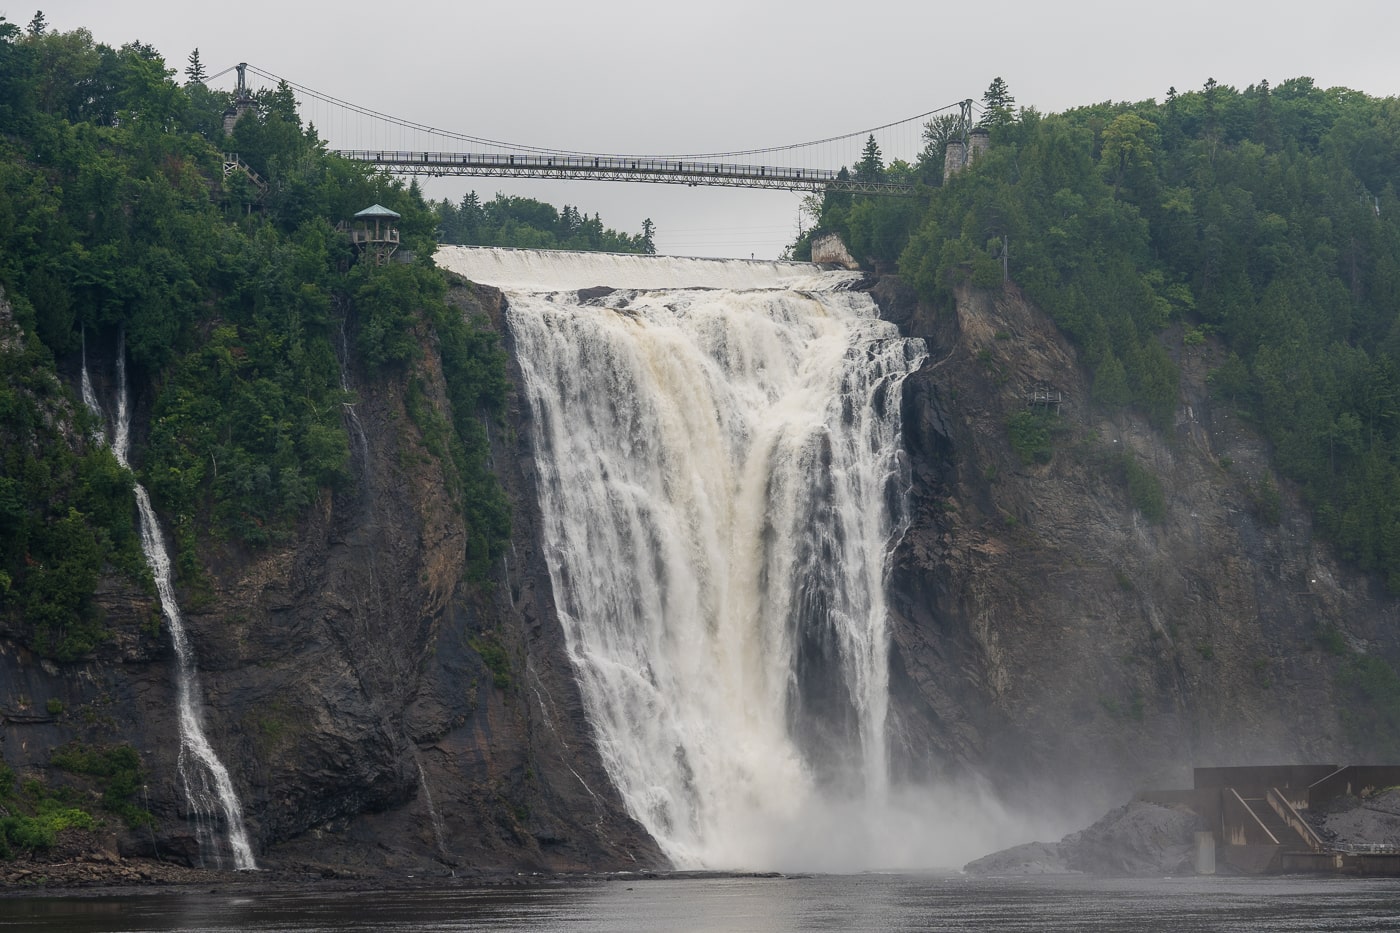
x=870 y=167
x=38 y=25
x=195 y=71
x=648 y=231
x=998 y=104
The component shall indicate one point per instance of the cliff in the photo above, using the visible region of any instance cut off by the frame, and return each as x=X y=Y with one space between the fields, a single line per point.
x=1063 y=633
x=377 y=711
x=1054 y=633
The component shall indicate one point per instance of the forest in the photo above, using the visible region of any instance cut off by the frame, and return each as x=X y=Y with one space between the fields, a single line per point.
x=525 y=223
x=1265 y=218
x=238 y=303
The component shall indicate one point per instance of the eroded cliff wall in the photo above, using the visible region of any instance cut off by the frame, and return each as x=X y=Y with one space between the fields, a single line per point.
x=377 y=711
x=1055 y=639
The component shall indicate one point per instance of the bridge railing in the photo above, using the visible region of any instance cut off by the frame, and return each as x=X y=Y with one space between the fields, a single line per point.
x=678 y=171
x=597 y=163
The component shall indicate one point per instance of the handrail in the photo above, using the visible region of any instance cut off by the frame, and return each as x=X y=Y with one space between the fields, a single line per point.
x=624 y=168
x=1251 y=817
x=1290 y=816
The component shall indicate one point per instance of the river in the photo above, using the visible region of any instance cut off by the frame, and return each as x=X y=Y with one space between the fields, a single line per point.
x=724 y=904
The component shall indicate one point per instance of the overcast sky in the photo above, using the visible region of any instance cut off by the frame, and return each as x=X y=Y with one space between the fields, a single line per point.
x=649 y=77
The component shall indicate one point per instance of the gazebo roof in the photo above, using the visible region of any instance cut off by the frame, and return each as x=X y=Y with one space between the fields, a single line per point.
x=377 y=210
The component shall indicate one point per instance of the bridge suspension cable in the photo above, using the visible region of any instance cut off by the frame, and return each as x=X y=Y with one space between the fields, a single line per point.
x=697 y=168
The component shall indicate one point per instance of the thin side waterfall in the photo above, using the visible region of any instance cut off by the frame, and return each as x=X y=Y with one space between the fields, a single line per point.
x=208 y=788
x=721 y=485
x=439 y=828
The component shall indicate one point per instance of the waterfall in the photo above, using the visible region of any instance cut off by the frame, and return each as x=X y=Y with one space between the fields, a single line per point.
x=721 y=485
x=208 y=788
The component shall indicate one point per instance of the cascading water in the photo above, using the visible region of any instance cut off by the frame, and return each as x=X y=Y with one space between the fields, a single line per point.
x=720 y=481
x=208 y=788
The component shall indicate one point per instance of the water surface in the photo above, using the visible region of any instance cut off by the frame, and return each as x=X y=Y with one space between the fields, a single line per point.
x=759 y=905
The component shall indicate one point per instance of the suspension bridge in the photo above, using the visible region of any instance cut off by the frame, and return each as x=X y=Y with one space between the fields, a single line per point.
x=406 y=147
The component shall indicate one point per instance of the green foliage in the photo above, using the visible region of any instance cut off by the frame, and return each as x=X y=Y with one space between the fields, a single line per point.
x=997 y=104
x=871 y=166
x=115 y=220
x=496 y=658
x=1331 y=639
x=1267 y=217
x=397 y=306
x=117 y=771
x=32 y=817
x=65 y=514
x=529 y=224
x=1265 y=499
x=1144 y=489
x=1029 y=433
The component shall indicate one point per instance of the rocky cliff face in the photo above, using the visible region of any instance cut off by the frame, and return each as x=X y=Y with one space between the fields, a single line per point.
x=1051 y=637
x=1047 y=634
x=344 y=679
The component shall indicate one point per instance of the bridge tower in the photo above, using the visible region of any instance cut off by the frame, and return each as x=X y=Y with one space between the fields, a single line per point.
x=970 y=143
x=374 y=234
x=242 y=100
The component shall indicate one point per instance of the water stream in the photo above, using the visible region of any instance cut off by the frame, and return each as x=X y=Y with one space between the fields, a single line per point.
x=721 y=483
x=208 y=789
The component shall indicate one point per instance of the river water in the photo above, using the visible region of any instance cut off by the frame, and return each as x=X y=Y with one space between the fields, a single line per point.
x=760 y=905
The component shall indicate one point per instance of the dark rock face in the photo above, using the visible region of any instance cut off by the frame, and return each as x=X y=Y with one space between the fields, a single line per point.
x=362 y=729
x=1045 y=635
x=1050 y=638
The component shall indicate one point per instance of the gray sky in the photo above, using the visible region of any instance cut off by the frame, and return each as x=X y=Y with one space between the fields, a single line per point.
x=656 y=77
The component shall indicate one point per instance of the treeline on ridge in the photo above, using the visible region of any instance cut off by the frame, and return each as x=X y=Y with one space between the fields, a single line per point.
x=525 y=223
x=1265 y=218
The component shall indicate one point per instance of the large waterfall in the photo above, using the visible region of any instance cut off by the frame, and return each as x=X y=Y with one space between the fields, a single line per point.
x=721 y=482
x=208 y=788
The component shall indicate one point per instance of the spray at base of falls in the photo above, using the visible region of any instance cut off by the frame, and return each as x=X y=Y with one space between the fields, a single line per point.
x=208 y=787
x=721 y=483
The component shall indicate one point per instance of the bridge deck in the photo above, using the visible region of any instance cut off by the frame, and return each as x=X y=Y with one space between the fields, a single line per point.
x=622 y=168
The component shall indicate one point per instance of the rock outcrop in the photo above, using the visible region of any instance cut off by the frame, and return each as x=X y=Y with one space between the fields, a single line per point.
x=1050 y=636
x=344 y=682
x=1136 y=840
x=1047 y=635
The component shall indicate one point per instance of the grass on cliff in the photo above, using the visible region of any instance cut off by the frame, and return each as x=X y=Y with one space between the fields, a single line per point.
x=32 y=813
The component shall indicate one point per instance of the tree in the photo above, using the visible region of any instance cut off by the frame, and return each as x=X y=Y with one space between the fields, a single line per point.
x=38 y=25
x=997 y=105
x=1128 y=144
x=648 y=230
x=938 y=132
x=870 y=167
x=195 y=71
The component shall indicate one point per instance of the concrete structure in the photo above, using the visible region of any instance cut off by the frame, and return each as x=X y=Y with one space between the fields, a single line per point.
x=242 y=101
x=958 y=154
x=1255 y=817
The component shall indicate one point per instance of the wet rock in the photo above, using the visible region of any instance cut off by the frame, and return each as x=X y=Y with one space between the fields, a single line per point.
x=1136 y=840
x=1032 y=858
x=1369 y=820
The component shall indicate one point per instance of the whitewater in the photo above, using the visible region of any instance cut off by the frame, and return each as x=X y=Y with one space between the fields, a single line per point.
x=721 y=482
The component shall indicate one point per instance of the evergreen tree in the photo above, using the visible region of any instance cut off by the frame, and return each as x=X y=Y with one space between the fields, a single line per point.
x=195 y=70
x=870 y=167
x=997 y=105
x=648 y=231
x=38 y=25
